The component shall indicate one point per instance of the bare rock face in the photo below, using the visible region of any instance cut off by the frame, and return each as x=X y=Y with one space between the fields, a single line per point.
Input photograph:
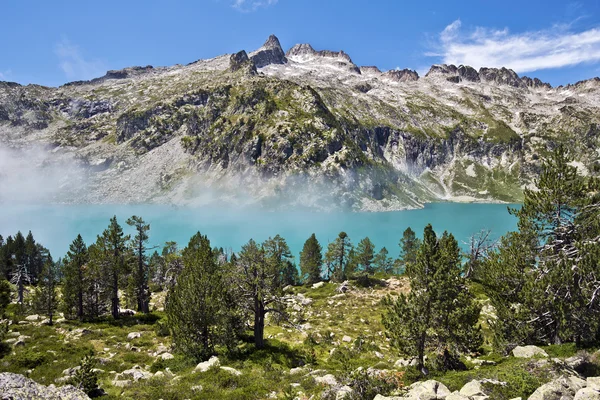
x=455 y=74
x=404 y=75
x=301 y=49
x=443 y=69
x=342 y=58
x=501 y=76
x=535 y=83
x=17 y=387
x=468 y=73
x=240 y=60
x=270 y=53
x=370 y=69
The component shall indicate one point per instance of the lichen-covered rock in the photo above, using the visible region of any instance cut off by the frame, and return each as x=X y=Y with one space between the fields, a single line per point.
x=18 y=387
x=563 y=388
x=428 y=390
x=587 y=394
x=528 y=352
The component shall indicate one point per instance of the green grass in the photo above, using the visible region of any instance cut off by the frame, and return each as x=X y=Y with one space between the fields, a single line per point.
x=357 y=314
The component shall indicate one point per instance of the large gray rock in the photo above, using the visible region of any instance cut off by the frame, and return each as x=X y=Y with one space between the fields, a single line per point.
x=206 y=365
x=326 y=380
x=563 y=388
x=18 y=387
x=428 y=390
x=473 y=389
x=593 y=382
x=457 y=396
x=136 y=373
x=587 y=394
x=528 y=352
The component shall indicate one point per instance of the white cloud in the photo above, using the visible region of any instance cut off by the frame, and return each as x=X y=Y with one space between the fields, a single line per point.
x=523 y=52
x=252 y=5
x=74 y=65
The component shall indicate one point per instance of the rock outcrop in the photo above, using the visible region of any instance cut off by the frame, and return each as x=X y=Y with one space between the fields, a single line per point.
x=341 y=59
x=270 y=53
x=528 y=352
x=240 y=61
x=403 y=75
x=501 y=76
x=17 y=387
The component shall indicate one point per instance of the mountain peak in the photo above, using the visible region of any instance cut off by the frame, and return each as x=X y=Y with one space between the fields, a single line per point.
x=301 y=49
x=270 y=53
x=272 y=43
x=402 y=75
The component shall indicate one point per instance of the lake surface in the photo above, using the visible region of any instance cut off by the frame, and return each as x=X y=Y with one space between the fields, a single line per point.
x=56 y=226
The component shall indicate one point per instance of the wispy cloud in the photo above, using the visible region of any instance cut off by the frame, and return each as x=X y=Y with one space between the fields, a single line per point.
x=556 y=47
x=4 y=75
x=252 y=5
x=74 y=65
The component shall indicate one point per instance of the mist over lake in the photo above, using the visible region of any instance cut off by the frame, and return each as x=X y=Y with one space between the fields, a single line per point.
x=55 y=226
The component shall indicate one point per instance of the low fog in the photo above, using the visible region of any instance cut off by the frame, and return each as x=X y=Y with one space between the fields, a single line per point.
x=36 y=175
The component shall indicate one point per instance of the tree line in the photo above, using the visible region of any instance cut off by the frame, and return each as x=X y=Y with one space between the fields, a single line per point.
x=213 y=294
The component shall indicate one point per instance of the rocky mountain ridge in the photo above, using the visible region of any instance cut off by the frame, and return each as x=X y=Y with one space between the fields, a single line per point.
x=300 y=128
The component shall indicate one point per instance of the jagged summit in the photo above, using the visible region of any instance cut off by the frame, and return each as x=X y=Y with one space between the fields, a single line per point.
x=305 y=52
x=402 y=75
x=370 y=69
x=306 y=125
x=307 y=49
x=272 y=43
x=499 y=76
x=270 y=53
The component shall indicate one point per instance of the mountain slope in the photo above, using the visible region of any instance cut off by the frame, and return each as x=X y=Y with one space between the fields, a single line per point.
x=302 y=128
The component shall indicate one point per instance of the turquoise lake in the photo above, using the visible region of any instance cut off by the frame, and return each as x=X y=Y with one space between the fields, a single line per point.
x=56 y=226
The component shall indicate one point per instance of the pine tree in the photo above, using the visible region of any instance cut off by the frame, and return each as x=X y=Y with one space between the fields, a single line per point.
x=198 y=306
x=172 y=263
x=337 y=257
x=551 y=260
x=141 y=274
x=109 y=259
x=156 y=268
x=7 y=258
x=365 y=256
x=86 y=376
x=3 y=260
x=290 y=274
x=258 y=284
x=96 y=282
x=311 y=260
x=383 y=262
x=74 y=279
x=409 y=245
x=45 y=300
x=5 y=292
x=33 y=263
x=278 y=253
x=20 y=276
x=439 y=314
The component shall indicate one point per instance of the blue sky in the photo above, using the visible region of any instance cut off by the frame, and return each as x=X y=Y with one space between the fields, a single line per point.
x=51 y=43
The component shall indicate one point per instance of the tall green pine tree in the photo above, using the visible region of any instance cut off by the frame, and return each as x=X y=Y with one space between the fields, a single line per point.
x=438 y=314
